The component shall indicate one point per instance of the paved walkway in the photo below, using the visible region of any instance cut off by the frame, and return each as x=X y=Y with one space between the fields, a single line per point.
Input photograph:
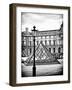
x=43 y=70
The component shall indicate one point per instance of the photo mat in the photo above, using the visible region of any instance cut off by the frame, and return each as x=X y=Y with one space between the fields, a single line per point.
x=24 y=24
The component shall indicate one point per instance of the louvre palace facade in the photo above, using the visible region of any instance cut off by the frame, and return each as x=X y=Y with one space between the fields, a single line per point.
x=51 y=39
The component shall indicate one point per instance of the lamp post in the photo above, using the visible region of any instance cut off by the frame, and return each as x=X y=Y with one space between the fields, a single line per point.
x=34 y=66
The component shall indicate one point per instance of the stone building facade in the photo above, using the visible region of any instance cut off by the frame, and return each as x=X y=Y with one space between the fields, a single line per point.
x=51 y=39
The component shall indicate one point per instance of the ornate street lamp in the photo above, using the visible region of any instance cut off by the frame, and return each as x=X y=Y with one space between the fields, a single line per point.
x=34 y=66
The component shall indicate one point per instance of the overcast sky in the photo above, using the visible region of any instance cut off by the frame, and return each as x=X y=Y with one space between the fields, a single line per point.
x=41 y=21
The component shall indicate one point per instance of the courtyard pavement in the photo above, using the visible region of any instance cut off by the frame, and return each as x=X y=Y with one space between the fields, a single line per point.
x=42 y=70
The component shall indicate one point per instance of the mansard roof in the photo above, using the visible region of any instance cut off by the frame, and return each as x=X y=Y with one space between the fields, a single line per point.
x=44 y=33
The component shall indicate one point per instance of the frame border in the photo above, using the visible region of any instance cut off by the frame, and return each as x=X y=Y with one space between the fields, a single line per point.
x=12 y=43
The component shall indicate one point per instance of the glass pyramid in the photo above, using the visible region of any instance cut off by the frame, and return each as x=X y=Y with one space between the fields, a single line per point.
x=42 y=56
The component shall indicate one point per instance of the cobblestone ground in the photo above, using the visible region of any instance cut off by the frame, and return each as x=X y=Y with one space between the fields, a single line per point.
x=42 y=70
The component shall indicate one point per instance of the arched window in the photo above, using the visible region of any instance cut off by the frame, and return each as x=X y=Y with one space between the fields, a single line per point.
x=54 y=50
x=59 y=50
x=49 y=49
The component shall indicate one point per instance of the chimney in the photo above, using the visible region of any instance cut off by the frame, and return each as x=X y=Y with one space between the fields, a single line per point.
x=26 y=30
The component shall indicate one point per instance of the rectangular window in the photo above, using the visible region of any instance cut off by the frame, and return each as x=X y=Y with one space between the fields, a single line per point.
x=24 y=38
x=51 y=42
x=57 y=42
x=24 y=43
x=30 y=50
x=59 y=50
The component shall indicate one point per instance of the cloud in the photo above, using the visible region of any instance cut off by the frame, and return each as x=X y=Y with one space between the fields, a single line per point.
x=41 y=21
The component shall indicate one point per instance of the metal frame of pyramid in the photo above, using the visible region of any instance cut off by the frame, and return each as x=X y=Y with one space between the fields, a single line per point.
x=42 y=56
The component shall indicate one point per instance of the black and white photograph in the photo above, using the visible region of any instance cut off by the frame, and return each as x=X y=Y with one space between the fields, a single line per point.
x=41 y=44
x=41 y=41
